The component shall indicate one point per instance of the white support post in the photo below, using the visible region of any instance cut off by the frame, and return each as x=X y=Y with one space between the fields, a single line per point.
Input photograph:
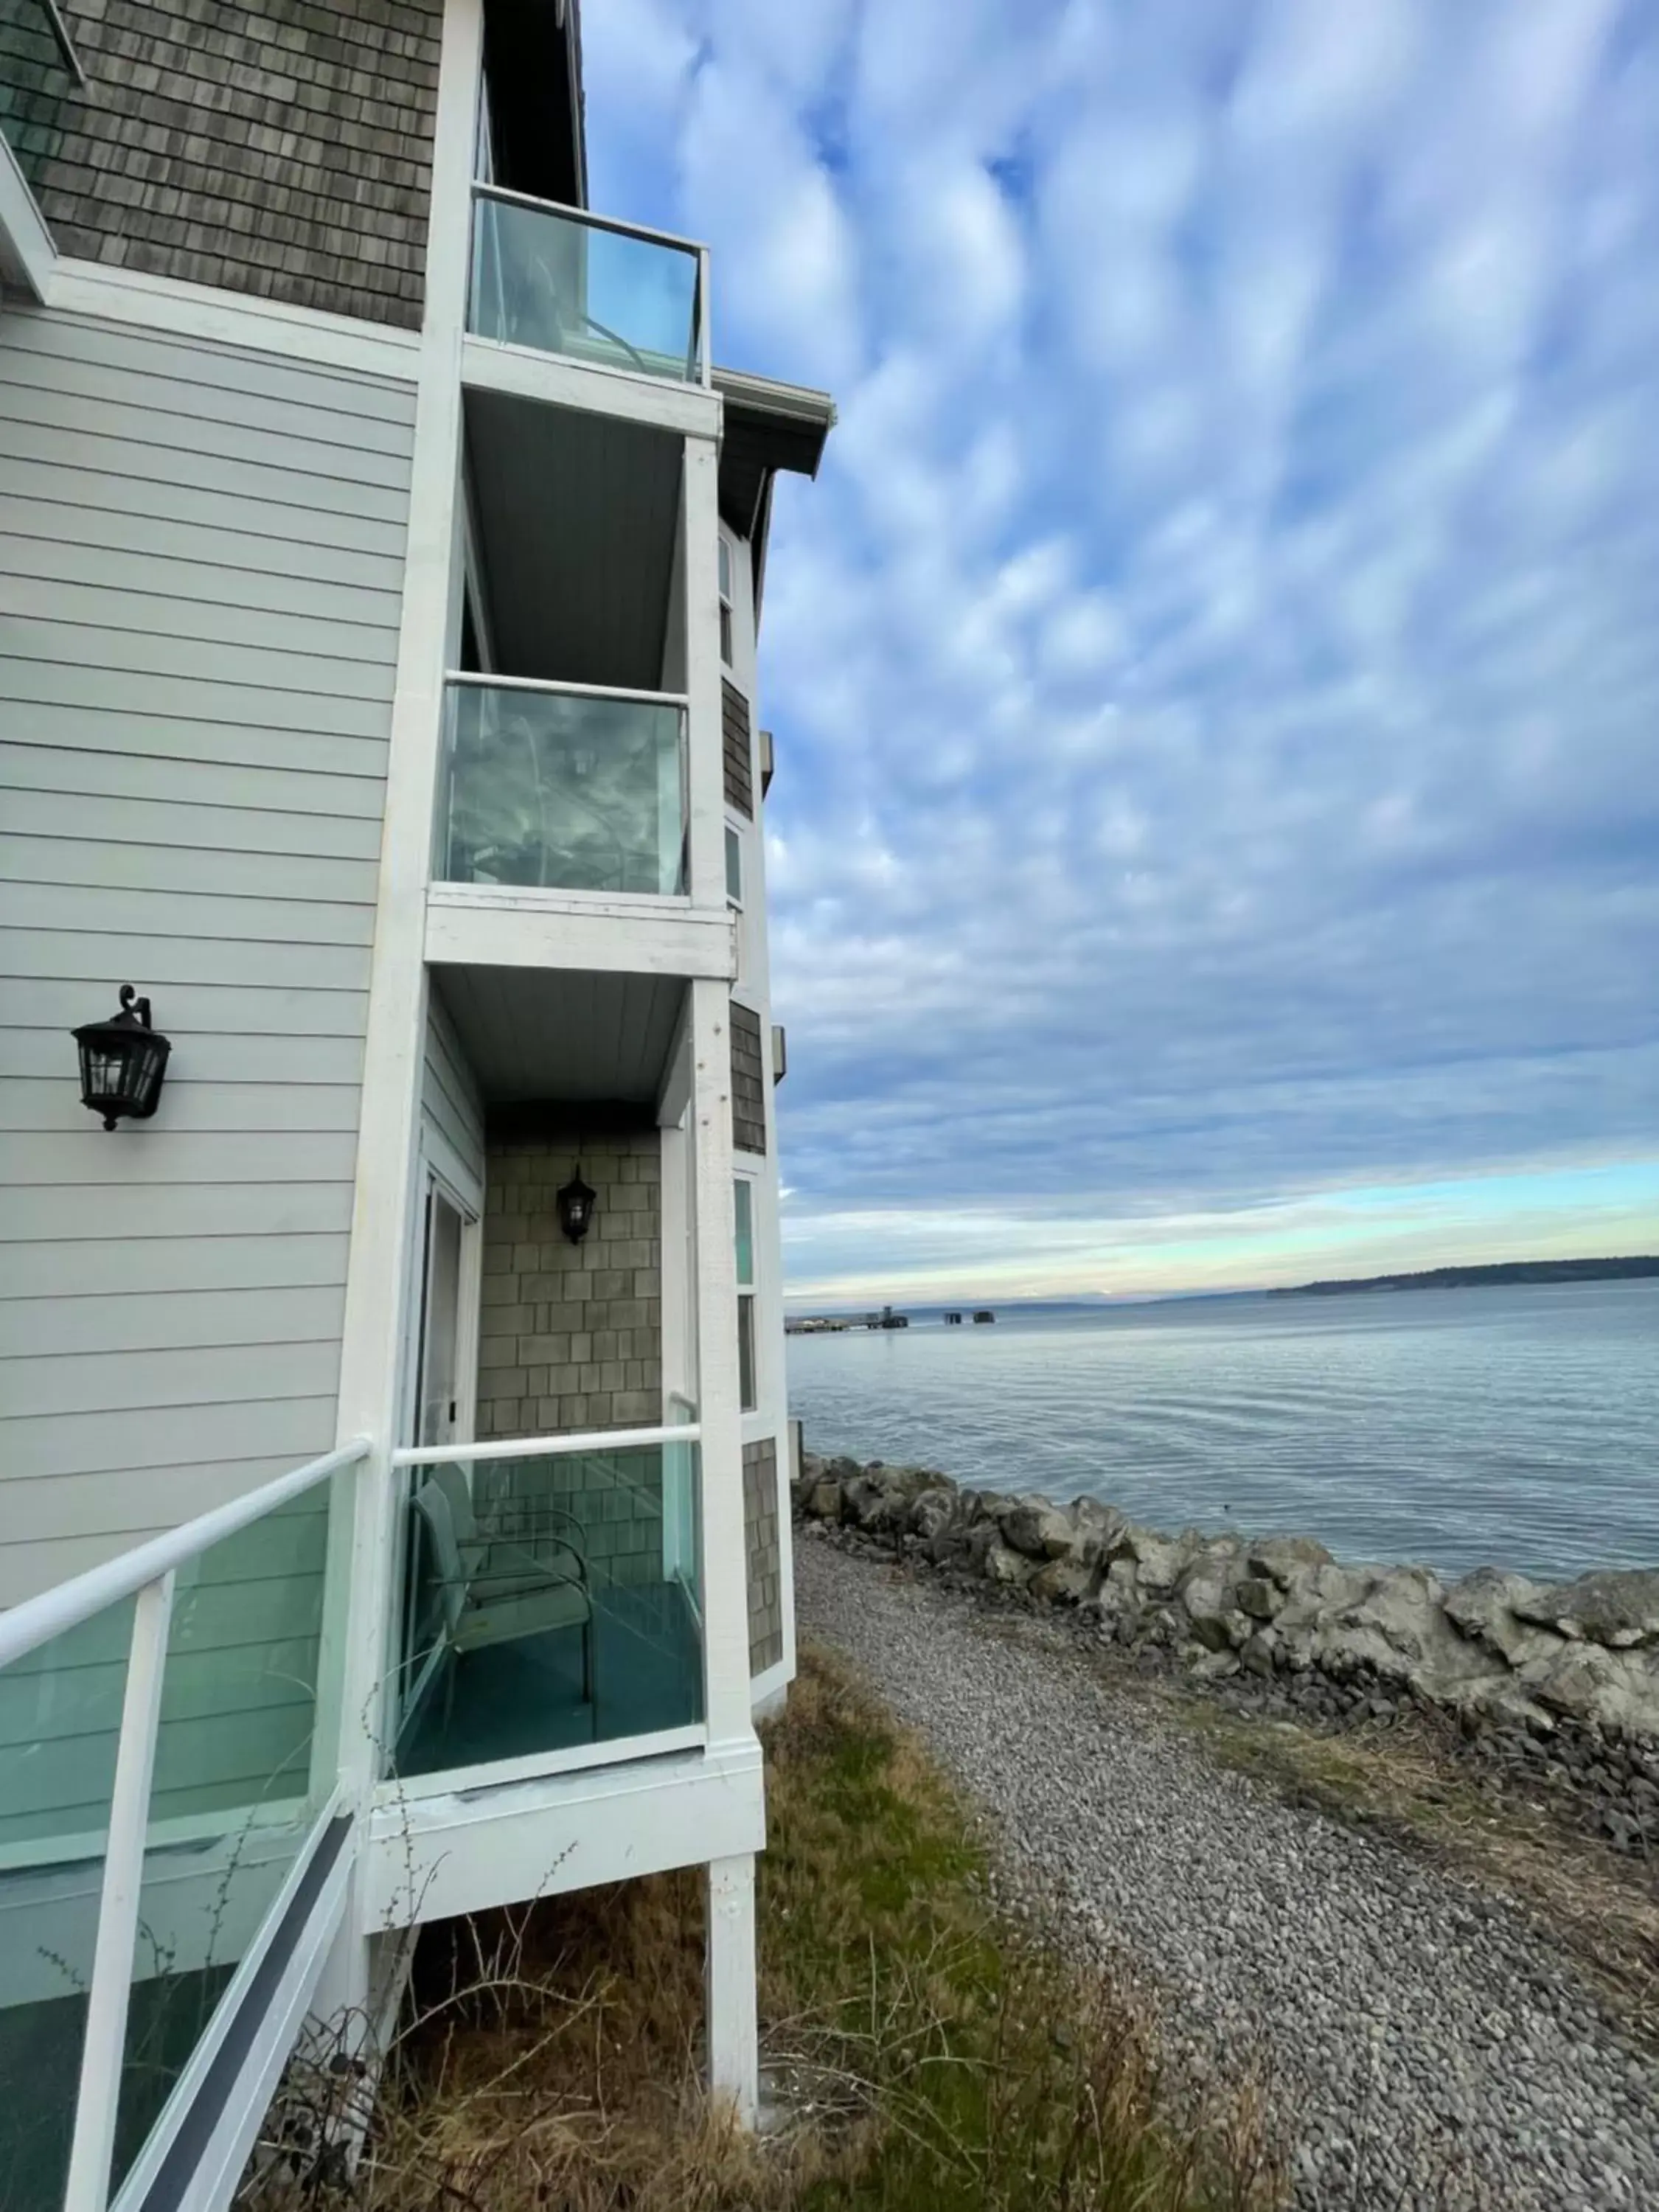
x=706 y=777
x=733 y=2023
x=384 y=1211
x=101 y=2052
x=725 y=1592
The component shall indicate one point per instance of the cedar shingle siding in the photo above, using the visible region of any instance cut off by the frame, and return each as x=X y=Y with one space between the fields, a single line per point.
x=739 y=748
x=570 y=1335
x=760 y=1529
x=748 y=1082
x=282 y=149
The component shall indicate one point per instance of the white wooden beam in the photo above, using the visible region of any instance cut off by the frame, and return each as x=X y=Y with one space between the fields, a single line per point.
x=384 y=1210
x=688 y=410
x=475 y=926
x=430 y=1858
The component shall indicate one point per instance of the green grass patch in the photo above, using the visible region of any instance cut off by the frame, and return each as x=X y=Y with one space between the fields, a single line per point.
x=975 y=2065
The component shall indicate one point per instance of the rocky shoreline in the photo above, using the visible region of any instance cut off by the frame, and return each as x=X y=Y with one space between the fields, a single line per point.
x=1554 y=1684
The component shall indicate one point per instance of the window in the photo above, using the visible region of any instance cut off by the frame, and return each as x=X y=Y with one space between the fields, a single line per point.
x=726 y=599
x=733 y=865
x=743 y=1195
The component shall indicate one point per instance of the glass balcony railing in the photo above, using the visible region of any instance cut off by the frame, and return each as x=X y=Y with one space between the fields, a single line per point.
x=160 y=1787
x=551 y=1603
x=60 y=1721
x=36 y=84
x=562 y=788
x=564 y=282
x=232 y=1800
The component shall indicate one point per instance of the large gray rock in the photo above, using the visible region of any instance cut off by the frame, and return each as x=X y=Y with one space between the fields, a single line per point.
x=1617 y=1691
x=1042 y=1531
x=823 y=1501
x=935 y=1510
x=1398 y=1627
x=1066 y=1581
x=1619 y=1609
x=1494 y=1610
x=1286 y=1559
x=1206 y=1601
x=1260 y=1596
x=1096 y=1528
x=1011 y=1568
x=1160 y=1561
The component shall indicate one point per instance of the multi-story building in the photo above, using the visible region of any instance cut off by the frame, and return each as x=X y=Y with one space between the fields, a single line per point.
x=391 y=1422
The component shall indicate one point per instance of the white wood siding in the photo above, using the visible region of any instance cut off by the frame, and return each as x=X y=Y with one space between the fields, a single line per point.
x=452 y=1104
x=201 y=571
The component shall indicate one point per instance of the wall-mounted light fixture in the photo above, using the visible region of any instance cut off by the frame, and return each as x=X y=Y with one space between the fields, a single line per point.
x=123 y=1061
x=575 y=1202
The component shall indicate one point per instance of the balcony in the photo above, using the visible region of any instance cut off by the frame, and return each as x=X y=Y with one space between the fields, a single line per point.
x=552 y=1605
x=558 y=279
x=563 y=787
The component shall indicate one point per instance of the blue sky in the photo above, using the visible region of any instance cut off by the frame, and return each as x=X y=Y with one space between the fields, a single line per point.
x=1216 y=676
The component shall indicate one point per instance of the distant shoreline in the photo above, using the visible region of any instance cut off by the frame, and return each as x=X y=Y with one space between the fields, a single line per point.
x=1502 y=1272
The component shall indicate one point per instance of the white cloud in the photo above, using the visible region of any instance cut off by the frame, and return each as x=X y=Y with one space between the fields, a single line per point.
x=1215 y=677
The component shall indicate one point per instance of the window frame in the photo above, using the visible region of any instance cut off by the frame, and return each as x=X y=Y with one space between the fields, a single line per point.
x=725 y=587
x=734 y=865
x=748 y=1287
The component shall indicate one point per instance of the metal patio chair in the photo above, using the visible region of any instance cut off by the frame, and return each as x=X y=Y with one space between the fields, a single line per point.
x=494 y=1589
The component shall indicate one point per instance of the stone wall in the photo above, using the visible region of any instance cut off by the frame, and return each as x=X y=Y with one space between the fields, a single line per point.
x=1495 y=1647
x=760 y=1529
x=571 y=1334
x=282 y=148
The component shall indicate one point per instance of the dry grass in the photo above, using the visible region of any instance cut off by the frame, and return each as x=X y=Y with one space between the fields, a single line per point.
x=1405 y=1782
x=918 y=2055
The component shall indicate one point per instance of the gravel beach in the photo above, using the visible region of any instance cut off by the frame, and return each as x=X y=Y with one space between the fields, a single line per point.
x=1426 y=2046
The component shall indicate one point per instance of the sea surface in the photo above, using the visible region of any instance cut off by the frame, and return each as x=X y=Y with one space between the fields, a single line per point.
x=1517 y=1426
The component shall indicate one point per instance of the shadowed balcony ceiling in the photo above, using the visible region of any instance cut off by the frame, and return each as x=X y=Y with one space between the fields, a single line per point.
x=576 y=518
x=536 y=1033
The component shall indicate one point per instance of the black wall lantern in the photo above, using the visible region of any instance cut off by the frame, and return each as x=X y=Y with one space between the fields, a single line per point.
x=575 y=1203
x=123 y=1061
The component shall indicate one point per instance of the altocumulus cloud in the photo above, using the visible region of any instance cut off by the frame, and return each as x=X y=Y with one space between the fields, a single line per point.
x=1216 y=678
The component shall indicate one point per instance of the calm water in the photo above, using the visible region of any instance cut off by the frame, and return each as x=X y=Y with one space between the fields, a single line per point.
x=1518 y=1426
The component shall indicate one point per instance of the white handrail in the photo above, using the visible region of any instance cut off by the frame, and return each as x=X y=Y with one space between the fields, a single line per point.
x=585 y=215
x=595 y=1440
x=40 y=1619
x=487 y=680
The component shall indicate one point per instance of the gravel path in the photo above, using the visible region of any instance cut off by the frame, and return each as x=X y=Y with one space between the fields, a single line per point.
x=1427 y=2047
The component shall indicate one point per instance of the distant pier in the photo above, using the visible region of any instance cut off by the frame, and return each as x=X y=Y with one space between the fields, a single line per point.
x=838 y=1324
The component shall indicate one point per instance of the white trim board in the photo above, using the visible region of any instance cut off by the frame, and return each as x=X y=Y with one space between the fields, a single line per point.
x=476 y=927
x=436 y=1856
x=689 y=411
x=537 y=1766
x=236 y=319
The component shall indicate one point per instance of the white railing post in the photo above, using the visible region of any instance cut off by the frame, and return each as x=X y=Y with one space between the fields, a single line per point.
x=104 y=2048
x=705 y=355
